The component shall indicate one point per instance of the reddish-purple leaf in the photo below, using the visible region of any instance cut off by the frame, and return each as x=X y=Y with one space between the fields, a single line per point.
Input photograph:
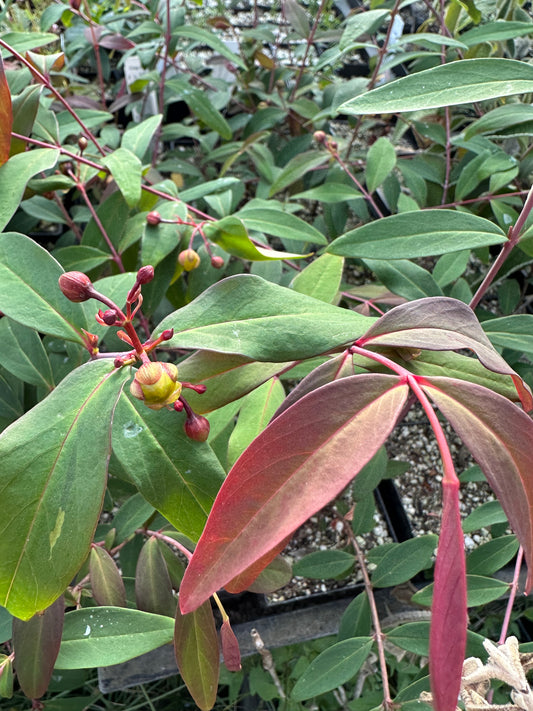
x=447 y=639
x=244 y=580
x=197 y=654
x=36 y=643
x=6 y=116
x=231 y=654
x=116 y=42
x=339 y=366
x=302 y=460
x=500 y=437
x=439 y=323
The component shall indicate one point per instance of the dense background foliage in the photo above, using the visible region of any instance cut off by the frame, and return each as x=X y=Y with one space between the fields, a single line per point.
x=292 y=173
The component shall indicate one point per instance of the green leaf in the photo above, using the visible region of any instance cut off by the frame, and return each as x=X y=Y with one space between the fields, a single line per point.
x=106 y=582
x=29 y=291
x=321 y=565
x=153 y=589
x=257 y=409
x=450 y=267
x=332 y=668
x=296 y=168
x=361 y=23
x=380 y=160
x=80 y=258
x=480 y=591
x=329 y=193
x=404 y=278
x=404 y=560
x=231 y=234
x=126 y=169
x=133 y=513
x=23 y=354
x=196 y=647
x=356 y=620
x=274 y=221
x=483 y=516
x=417 y=234
x=179 y=477
x=413 y=636
x=501 y=120
x=497 y=31
x=200 y=104
x=514 y=332
x=321 y=279
x=491 y=556
x=15 y=173
x=227 y=377
x=24 y=41
x=138 y=138
x=249 y=316
x=50 y=506
x=460 y=82
x=210 y=39
x=100 y=636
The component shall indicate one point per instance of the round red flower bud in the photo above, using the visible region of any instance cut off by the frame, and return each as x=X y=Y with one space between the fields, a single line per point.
x=76 y=286
x=167 y=335
x=319 y=136
x=197 y=427
x=153 y=218
x=217 y=262
x=145 y=274
x=189 y=259
x=109 y=317
x=75 y=4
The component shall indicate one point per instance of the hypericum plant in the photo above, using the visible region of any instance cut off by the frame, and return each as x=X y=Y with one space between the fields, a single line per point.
x=92 y=424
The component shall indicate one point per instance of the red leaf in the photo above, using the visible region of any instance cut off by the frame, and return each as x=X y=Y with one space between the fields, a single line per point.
x=247 y=577
x=197 y=654
x=36 y=643
x=302 y=460
x=500 y=437
x=447 y=641
x=6 y=116
x=439 y=323
x=230 y=647
x=116 y=42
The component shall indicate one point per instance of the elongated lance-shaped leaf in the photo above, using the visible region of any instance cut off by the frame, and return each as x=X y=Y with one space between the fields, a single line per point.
x=197 y=654
x=179 y=477
x=153 y=588
x=52 y=483
x=227 y=377
x=100 y=636
x=15 y=173
x=29 y=292
x=6 y=115
x=249 y=316
x=340 y=366
x=447 y=638
x=441 y=324
x=106 y=581
x=459 y=82
x=36 y=644
x=417 y=234
x=500 y=437
x=301 y=461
